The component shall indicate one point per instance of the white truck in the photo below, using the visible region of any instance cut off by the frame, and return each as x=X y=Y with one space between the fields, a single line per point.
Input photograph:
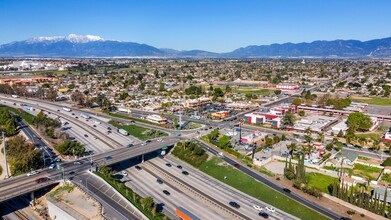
x=85 y=116
x=123 y=132
x=15 y=96
x=66 y=109
x=97 y=122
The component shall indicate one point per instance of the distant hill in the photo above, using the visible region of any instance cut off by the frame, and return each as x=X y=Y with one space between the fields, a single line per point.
x=95 y=46
x=336 y=48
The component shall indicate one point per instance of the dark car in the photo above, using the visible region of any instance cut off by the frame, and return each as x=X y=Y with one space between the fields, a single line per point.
x=58 y=110
x=263 y=214
x=234 y=204
x=286 y=190
x=76 y=117
x=345 y=218
x=72 y=172
x=138 y=167
x=94 y=126
x=166 y=192
x=179 y=166
x=85 y=135
x=185 y=172
x=168 y=164
x=130 y=145
x=42 y=180
x=108 y=128
x=73 y=113
x=148 y=141
x=237 y=165
x=159 y=181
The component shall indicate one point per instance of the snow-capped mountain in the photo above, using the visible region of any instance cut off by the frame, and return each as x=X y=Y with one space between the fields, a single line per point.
x=74 y=38
x=94 y=46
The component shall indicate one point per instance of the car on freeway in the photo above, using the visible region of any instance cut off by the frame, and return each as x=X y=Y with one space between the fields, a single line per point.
x=143 y=144
x=166 y=192
x=263 y=214
x=76 y=117
x=78 y=163
x=124 y=173
x=257 y=207
x=234 y=204
x=345 y=218
x=57 y=160
x=52 y=166
x=185 y=173
x=160 y=181
x=286 y=190
x=108 y=128
x=94 y=126
x=72 y=172
x=179 y=166
x=168 y=164
x=159 y=139
x=270 y=209
x=148 y=141
x=237 y=165
x=32 y=173
x=130 y=145
x=42 y=180
x=73 y=113
x=138 y=167
x=85 y=135
x=58 y=110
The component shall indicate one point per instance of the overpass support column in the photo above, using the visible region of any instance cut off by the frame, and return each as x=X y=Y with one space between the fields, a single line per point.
x=32 y=196
x=142 y=158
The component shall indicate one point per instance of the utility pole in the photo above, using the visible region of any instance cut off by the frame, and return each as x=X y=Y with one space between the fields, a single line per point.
x=5 y=156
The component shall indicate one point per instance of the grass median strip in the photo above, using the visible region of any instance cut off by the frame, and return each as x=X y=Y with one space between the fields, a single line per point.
x=139 y=132
x=24 y=115
x=252 y=187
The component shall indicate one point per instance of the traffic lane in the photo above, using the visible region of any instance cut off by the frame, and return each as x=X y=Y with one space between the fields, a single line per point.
x=365 y=153
x=144 y=185
x=221 y=194
x=239 y=196
x=116 y=210
x=177 y=197
x=274 y=186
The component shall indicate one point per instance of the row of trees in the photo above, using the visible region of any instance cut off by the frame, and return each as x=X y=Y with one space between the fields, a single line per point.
x=73 y=148
x=47 y=124
x=146 y=205
x=7 y=122
x=190 y=152
x=359 y=197
x=22 y=155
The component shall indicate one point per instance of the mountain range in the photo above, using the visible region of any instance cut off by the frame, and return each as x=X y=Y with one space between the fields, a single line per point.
x=94 y=46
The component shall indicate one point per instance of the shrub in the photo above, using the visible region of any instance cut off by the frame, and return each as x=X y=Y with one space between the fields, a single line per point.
x=290 y=175
x=350 y=212
x=190 y=152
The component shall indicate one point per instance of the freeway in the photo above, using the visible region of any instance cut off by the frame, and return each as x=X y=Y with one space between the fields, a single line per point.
x=274 y=186
x=22 y=184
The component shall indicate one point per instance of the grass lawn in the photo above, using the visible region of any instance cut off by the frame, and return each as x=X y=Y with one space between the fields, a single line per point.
x=254 y=91
x=373 y=101
x=252 y=187
x=137 y=131
x=26 y=116
x=367 y=172
x=320 y=181
x=374 y=136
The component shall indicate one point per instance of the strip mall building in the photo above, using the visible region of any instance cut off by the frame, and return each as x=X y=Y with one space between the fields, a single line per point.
x=270 y=116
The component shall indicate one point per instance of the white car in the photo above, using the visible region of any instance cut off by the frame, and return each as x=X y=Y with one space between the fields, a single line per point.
x=159 y=139
x=32 y=173
x=52 y=166
x=257 y=207
x=124 y=173
x=270 y=209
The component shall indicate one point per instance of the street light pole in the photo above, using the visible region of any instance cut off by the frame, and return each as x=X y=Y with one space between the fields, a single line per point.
x=5 y=156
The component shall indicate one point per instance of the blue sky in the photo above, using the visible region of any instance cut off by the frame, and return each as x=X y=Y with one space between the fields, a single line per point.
x=214 y=25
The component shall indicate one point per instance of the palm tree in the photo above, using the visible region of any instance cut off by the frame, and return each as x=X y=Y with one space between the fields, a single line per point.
x=291 y=147
x=321 y=137
x=308 y=131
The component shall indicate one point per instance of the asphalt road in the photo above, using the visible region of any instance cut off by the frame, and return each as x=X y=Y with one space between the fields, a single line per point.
x=274 y=186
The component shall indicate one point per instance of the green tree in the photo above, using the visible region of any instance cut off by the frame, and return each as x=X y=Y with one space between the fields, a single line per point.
x=224 y=142
x=142 y=86
x=277 y=92
x=217 y=92
x=213 y=135
x=10 y=126
x=302 y=113
x=162 y=87
x=359 y=121
x=292 y=147
x=297 y=101
x=288 y=119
